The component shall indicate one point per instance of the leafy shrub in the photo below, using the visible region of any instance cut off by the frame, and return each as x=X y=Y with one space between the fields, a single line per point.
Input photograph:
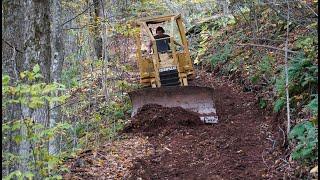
x=302 y=74
x=33 y=94
x=309 y=45
x=265 y=66
x=262 y=103
x=224 y=21
x=306 y=136
x=279 y=104
x=19 y=175
x=264 y=69
x=222 y=55
x=313 y=105
x=69 y=75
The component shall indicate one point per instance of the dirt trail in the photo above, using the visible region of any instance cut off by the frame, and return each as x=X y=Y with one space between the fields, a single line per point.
x=172 y=143
x=232 y=149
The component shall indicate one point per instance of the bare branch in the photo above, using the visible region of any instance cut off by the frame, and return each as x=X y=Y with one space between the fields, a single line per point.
x=306 y=5
x=267 y=46
x=71 y=28
x=15 y=48
x=78 y=15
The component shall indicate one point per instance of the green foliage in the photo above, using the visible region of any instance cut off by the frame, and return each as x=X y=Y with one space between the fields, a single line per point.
x=279 y=104
x=265 y=66
x=255 y=78
x=126 y=30
x=19 y=175
x=262 y=103
x=151 y=7
x=309 y=45
x=302 y=76
x=55 y=177
x=30 y=92
x=116 y=112
x=313 y=105
x=302 y=72
x=222 y=55
x=224 y=21
x=69 y=75
x=38 y=136
x=5 y=79
x=306 y=136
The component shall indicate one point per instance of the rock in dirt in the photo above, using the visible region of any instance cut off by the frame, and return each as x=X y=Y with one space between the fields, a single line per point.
x=154 y=118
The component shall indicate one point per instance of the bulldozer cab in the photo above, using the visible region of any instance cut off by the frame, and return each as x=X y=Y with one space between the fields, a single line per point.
x=163 y=57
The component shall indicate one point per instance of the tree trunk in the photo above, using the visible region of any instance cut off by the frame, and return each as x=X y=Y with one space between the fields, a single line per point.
x=57 y=59
x=12 y=25
x=37 y=51
x=97 y=16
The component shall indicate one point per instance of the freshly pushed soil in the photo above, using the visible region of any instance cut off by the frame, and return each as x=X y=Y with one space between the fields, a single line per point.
x=237 y=147
x=173 y=143
x=152 y=119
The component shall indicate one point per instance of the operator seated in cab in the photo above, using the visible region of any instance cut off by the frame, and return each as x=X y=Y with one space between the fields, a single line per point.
x=163 y=43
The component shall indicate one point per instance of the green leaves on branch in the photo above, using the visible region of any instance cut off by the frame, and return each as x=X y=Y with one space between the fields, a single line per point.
x=309 y=45
x=224 y=21
x=38 y=135
x=302 y=76
x=30 y=93
x=313 y=105
x=19 y=175
x=306 y=135
x=126 y=30
x=34 y=94
x=5 y=80
x=31 y=75
x=279 y=104
x=36 y=69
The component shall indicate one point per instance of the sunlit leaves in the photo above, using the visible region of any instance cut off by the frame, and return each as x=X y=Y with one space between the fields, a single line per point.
x=20 y=175
x=126 y=30
x=36 y=68
x=31 y=94
x=5 y=79
x=28 y=92
x=38 y=136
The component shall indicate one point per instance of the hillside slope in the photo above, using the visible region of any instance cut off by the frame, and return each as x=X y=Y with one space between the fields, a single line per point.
x=241 y=145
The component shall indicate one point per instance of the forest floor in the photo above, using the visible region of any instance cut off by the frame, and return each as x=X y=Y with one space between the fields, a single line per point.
x=244 y=144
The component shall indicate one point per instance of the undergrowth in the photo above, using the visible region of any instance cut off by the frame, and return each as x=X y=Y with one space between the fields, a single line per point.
x=261 y=70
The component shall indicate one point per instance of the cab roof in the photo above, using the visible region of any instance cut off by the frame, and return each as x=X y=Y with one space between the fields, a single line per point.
x=158 y=19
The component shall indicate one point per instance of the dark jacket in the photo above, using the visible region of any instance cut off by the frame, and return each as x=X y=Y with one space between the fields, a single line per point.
x=163 y=44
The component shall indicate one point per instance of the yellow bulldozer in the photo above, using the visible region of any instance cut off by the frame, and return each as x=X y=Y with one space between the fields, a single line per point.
x=165 y=68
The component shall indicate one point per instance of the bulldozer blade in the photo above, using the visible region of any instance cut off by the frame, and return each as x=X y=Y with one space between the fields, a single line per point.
x=192 y=98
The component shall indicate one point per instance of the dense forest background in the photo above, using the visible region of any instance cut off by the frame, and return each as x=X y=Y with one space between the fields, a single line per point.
x=67 y=67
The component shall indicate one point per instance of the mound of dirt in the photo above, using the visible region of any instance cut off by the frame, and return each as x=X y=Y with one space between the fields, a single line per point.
x=153 y=118
x=237 y=147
